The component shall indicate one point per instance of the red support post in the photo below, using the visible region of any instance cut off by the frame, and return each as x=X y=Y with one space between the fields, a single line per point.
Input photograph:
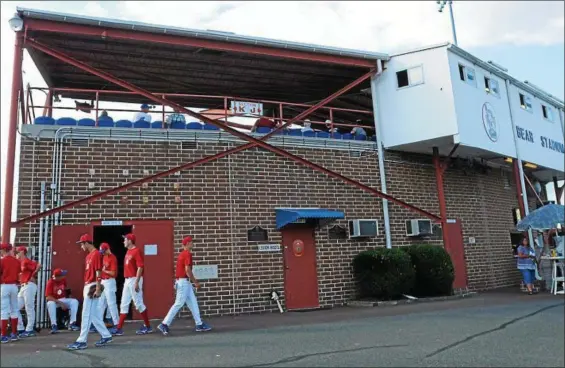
x=47 y=108
x=441 y=195
x=253 y=141
x=519 y=194
x=96 y=109
x=12 y=130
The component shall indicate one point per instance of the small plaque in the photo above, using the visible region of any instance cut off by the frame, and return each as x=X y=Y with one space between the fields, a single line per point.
x=337 y=232
x=205 y=272
x=112 y=223
x=257 y=234
x=269 y=248
x=150 y=249
x=472 y=240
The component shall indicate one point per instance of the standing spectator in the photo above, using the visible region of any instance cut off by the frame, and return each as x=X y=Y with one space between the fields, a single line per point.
x=526 y=265
x=358 y=130
x=307 y=126
x=143 y=114
x=329 y=127
x=176 y=117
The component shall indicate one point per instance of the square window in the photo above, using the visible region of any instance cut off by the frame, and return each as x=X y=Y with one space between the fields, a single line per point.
x=525 y=102
x=402 y=78
x=410 y=77
x=547 y=112
x=467 y=75
x=491 y=87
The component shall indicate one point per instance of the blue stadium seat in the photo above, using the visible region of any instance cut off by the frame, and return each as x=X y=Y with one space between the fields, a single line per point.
x=194 y=126
x=157 y=124
x=105 y=122
x=141 y=124
x=66 y=121
x=347 y=136
x=309 y=133
x=87 y=122
x=373 y=138
x=295 y=132
x=210 y=127
x=323 y=135
x=336 y=135
x=361 y=137
x=44 y=120
x=123 y=124
x=178 y=125
x=263 y=130
x=278 y=132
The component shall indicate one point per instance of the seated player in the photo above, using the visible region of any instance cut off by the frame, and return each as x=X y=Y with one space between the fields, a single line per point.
x=55 y=293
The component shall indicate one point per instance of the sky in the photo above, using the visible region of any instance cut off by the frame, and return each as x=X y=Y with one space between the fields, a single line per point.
x=526 y=37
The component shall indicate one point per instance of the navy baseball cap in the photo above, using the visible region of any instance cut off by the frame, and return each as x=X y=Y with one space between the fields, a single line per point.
x=145 y=106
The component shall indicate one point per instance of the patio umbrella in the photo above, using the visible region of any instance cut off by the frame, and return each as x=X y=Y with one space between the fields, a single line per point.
x=544 y=218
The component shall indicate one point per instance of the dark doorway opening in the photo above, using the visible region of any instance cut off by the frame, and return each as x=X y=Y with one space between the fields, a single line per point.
x=113 y=235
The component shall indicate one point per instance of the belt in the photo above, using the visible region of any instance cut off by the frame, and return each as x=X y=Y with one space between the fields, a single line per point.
x=182 y=278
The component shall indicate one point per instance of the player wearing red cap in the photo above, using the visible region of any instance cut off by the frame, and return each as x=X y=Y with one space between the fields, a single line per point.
x=133 y=287
x=185 y=291
x=109 y=272
x=55 y=293
x=90 y=310
x=28 y=290
x=9 y=272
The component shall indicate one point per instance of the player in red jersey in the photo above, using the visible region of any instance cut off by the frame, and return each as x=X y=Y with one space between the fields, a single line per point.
x=55 y=293
x=109 y=272
x=90 y=310
x=133 y=287
x=185 y=291
x=28 y=290
x=9 y=273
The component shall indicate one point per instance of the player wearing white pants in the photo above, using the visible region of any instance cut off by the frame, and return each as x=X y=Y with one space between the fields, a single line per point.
x=91 y=315
x=185 y=290
x=9 y=272
x=69 y=303
x=129 y=294
x=108 y=299
x=26 y=299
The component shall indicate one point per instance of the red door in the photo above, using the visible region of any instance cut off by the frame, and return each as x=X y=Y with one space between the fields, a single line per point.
x=456 y=250
x=300 y=274
x=68 y=255
x=155 y=239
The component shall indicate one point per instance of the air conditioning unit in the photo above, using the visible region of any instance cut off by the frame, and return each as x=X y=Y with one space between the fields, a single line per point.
x=363 y=228
x=418 y=227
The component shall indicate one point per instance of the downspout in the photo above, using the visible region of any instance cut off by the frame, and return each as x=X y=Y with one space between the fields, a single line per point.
x=380 y=151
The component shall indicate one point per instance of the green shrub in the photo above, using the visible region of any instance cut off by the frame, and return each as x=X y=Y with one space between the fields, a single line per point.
x=434 y=270
x=383 y=274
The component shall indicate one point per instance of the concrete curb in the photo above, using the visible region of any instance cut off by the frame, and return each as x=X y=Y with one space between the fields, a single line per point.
x=391 y=303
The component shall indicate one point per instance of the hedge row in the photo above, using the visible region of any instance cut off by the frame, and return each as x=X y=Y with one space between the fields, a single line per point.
x=418 y=270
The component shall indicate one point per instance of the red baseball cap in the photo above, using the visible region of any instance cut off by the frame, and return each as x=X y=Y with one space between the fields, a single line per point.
x=59 y=272
x=21 y=248
x=186 y=240
x=6 y=246
x=85 y=238
x=104 y=246
x=130 y=236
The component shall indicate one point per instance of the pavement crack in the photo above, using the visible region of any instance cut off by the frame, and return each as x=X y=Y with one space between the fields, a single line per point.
x=498 y=328
x=95 y=361
x=304 y=356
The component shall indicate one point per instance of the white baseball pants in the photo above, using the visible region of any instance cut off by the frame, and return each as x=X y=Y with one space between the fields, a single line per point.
x=129 y=294
x=70 y=303
x=9 y=301
x=185 y=295
x=108 y=299
x=26 y=298
x=91 y=315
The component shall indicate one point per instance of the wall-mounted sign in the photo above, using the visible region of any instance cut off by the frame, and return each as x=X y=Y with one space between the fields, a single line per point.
x=472 y=240
x=242 y=107
x=298 y=248
x=150 y=249
x=205 y=272
x=269 y=247
x=112 y=223
x=548 y=143
x=257 y=234
x=489 y=122
x=337 y=232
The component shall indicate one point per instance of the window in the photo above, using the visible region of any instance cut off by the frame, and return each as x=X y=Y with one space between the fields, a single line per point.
x=467 y=75
x=491 y=86
x=410 y=77
x=525 y=102
x=547 y=112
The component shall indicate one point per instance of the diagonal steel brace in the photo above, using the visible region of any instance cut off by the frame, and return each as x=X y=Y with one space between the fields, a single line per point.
x=253 y=142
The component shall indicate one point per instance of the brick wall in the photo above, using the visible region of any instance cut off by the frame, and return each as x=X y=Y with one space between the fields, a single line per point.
x=255 y=182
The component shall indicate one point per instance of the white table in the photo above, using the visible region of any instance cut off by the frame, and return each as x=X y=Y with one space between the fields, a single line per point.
x=555 y=261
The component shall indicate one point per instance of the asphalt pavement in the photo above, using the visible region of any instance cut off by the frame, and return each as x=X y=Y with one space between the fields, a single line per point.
x=488 y=330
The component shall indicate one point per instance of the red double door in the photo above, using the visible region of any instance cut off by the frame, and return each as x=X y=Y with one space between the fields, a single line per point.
x=300 y=271
x=158 y=291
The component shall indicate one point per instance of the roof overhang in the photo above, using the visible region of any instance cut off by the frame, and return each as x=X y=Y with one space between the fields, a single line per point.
x=321 y=217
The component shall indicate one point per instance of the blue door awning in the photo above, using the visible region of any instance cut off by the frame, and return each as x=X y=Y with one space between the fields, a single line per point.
x=287 y=216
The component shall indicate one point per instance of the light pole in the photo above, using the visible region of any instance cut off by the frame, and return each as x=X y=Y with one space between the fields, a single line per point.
x=441 y=5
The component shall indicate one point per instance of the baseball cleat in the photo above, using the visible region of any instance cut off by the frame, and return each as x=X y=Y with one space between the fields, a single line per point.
x=103 y=342
x=26 y=334
x=163 y=328
x=116 y=331
x=74 y=327
x=14 y=337
x=203 y=327
x=77 y=346
x=144 y=330
x=54 y=330
x=5 y=339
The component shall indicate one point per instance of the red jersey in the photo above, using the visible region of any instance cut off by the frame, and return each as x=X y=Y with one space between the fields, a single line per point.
x=109 y=263
x=132 y=262
x=93 y=264
x=10 y=270
x=56 y=289
x=184 y=259
x=28 y=268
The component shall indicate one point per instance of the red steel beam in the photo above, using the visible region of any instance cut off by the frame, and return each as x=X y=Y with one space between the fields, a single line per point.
x=120 y=34
x=253 y=142
x=12 y=130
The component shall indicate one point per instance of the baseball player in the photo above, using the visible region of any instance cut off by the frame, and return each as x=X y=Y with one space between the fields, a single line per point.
x=9 y=272
x=133 y=287
x=28 y=290
x=90 y=311
x=55 y=293
x=185 y=291
x=109 y=272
